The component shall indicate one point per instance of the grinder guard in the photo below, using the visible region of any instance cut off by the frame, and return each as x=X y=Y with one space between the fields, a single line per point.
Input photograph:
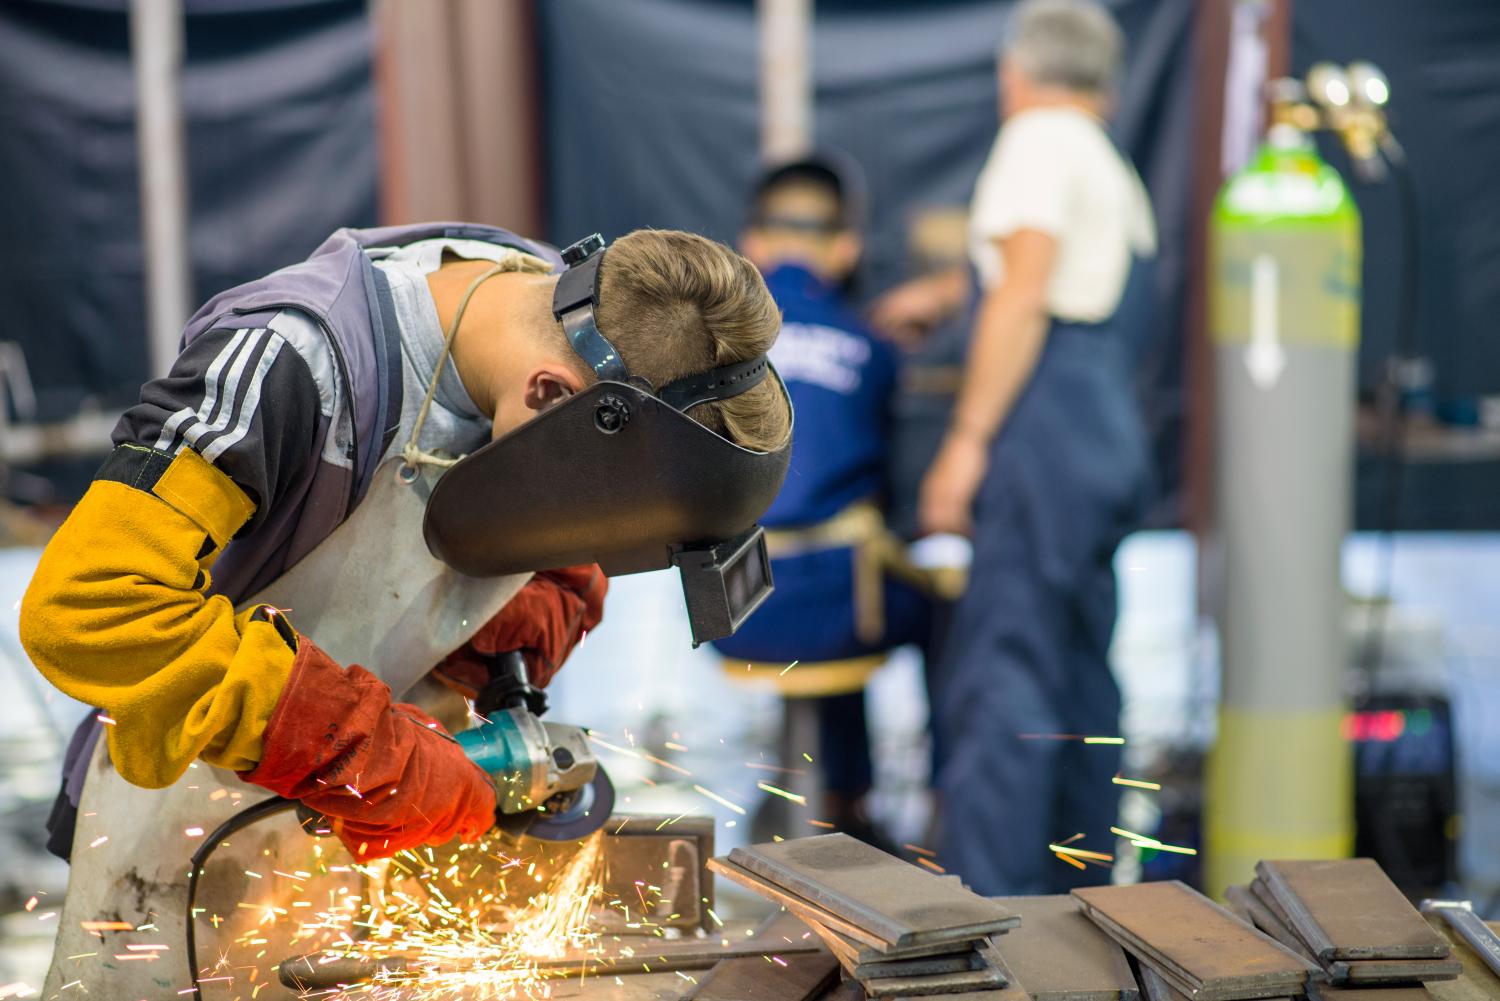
x=612 y=476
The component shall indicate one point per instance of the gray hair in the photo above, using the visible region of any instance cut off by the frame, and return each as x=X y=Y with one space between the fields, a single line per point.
x=1074 y=44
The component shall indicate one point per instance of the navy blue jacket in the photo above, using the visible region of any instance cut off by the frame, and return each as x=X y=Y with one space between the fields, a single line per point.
x=841 y=380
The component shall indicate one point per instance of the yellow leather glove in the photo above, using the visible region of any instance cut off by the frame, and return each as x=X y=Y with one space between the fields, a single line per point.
x=116 y=616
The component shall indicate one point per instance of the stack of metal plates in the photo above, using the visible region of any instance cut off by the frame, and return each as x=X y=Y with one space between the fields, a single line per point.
x=898 y=930
x=1188 y=946
x=1347 y=916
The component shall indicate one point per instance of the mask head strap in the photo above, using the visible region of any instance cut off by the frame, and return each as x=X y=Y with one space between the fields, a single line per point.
x=573 y=304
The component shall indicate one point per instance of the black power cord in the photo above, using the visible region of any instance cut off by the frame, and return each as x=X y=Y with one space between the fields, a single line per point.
x=249 y=815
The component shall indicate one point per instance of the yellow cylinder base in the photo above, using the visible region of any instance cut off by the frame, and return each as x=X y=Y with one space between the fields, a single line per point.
x=1279 y=785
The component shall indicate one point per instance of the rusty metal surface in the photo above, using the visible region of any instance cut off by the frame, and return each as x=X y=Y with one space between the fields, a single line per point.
x=1477 y=982
x=990 y=975
x=1363 y=972
x=1369 y=972
x=897 y=902
x=1267 y=920
x=1008 y=993
x=1157 y=989
x=922 y=966
x=1195 y=944
x=844 y=945
x=800 y=906
x=633 y=987
x=845 y=990
x=613 y=954
x=1058 y=954
x=1234 y=904
x=796 y=978
x=966 y=957
x=667 y=853
x=1349 y=909
x=1327 y=992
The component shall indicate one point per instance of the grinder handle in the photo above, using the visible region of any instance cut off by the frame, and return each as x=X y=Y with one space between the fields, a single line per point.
x=508 y=687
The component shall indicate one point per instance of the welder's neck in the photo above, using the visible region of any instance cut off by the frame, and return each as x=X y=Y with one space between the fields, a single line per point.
x=1094 y=105
x=490 y=349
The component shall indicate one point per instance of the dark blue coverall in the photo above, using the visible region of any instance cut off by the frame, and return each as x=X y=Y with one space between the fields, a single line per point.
x=840 y=378
x=1025 y=660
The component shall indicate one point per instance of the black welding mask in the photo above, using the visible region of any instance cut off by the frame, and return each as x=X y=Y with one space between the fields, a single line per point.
x=618 y=475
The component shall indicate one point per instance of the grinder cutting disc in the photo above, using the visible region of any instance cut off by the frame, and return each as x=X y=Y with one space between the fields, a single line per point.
x=583 y=813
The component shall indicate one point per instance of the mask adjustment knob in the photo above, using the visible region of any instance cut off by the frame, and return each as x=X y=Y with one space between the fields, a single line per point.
x=611 y=414
x=577 y=253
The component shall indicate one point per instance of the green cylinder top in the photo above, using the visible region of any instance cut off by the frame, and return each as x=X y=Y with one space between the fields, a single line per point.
x=1285 y=182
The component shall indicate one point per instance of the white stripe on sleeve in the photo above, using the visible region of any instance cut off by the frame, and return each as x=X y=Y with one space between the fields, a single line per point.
x=251 y=402
x=211 y=379
x=231 y=392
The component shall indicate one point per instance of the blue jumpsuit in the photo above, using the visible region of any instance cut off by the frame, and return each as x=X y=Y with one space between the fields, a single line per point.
x=1025 y=658
x=841 y=379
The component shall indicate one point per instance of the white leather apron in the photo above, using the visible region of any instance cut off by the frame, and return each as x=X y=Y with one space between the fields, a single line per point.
x=369 y=594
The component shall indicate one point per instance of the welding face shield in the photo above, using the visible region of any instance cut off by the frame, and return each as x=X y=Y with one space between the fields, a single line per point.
x=618 y=475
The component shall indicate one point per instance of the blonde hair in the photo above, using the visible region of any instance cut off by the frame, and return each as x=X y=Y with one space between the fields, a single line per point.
x=675 y=304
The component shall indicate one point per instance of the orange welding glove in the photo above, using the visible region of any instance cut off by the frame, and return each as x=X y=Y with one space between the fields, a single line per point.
x=545 y=621
x=387 y=775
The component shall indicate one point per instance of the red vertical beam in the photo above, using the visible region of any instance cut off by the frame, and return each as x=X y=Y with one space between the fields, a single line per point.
x=1279 y=39
x=1210 y=54
x=458 y=111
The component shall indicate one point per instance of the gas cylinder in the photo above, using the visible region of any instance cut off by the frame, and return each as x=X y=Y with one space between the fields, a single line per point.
x=1284 y=303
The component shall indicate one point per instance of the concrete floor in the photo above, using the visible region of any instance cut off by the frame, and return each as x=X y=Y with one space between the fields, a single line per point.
x=638 y=682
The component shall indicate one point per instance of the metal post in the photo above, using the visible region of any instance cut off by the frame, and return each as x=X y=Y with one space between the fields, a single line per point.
x=156 y=44
x=786 y=96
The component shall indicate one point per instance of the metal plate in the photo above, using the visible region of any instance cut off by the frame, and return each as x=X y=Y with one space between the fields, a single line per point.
x=991 y=975
x=922 y=966
x=796 y=978
x=620 y=954
x=848 y=953
x=1058 y=954
x=1264 y=917
x=897 y=902
x=1157 y=989
x=1193 y=942
x=800 y=906
x=1478 y=982
x=674 y=853
x=1349 y=909
x=844 y=945
x=1327 y=992
x=1369 y=972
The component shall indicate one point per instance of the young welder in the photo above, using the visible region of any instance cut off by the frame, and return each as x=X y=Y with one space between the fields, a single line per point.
x=385 y=350
x=837 y=603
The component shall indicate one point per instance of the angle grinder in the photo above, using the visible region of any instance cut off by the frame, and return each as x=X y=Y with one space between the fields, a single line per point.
x=548 y=784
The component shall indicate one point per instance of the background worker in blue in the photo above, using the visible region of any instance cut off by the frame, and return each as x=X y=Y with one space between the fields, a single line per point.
x=1045 y=464
x=831 y=555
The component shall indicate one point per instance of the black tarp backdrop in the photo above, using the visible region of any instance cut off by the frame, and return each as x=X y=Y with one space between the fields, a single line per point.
x=281 y=151
x=1443 y=61
x=652 y=121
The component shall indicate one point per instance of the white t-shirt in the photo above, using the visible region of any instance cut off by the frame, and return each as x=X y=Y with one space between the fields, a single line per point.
x=1055 y=171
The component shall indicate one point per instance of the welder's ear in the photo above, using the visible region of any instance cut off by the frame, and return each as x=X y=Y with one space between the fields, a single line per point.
x=548 y=385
